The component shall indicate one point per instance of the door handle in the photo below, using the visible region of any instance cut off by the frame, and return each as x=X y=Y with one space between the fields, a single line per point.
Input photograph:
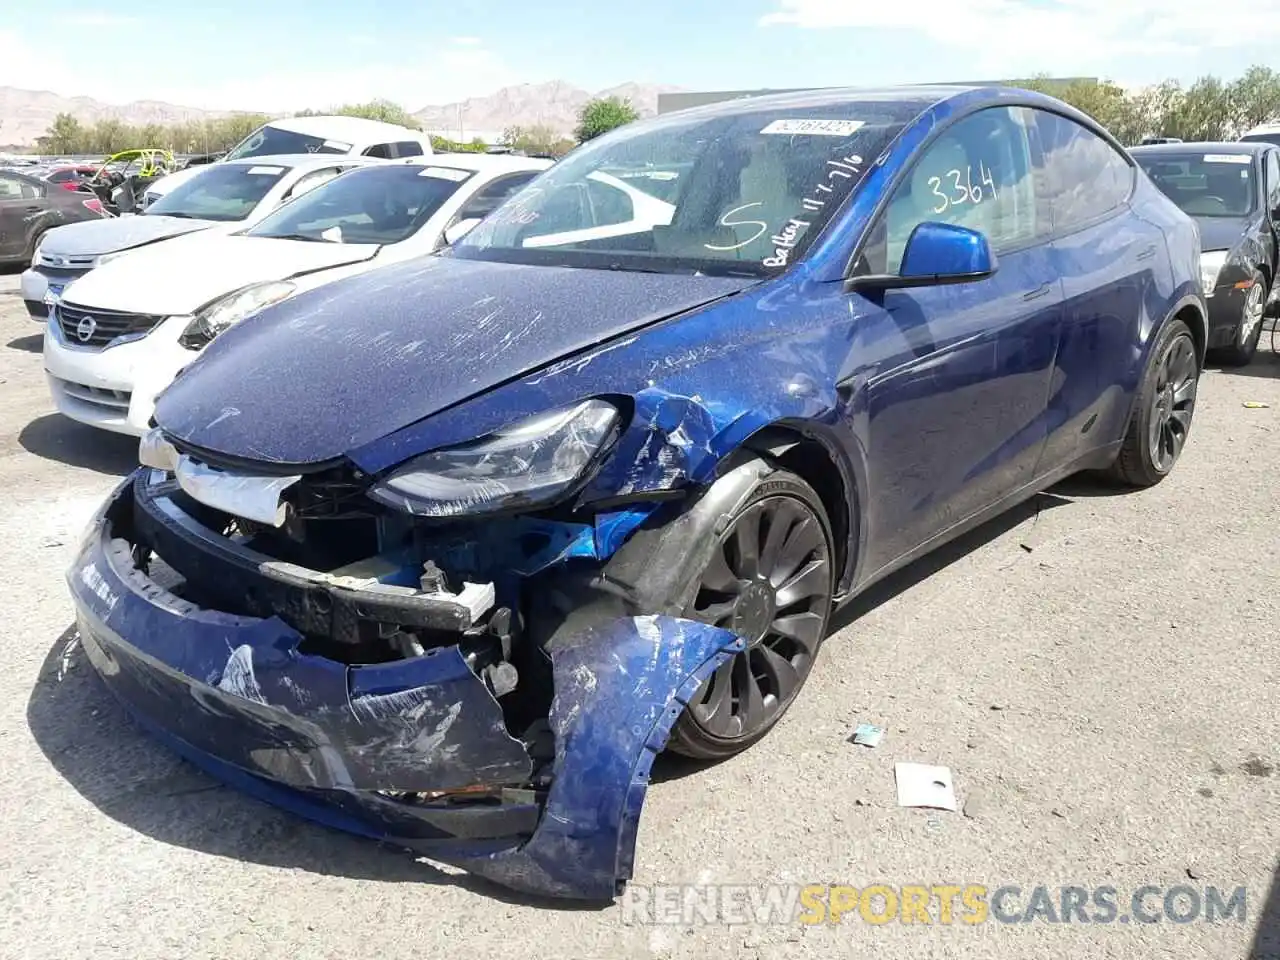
x=1041 y=291
x=1148 y=253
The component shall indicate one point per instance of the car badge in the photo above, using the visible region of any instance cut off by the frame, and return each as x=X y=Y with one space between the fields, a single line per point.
x=85 y=329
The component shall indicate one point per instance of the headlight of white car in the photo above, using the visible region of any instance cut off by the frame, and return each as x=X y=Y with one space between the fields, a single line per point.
x=213 y=318
x=108 y=257
x=1211 y=264
x=534 y=461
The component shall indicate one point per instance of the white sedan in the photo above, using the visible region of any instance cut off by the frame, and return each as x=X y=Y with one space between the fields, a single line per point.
x=224 y=196
x=121 y=333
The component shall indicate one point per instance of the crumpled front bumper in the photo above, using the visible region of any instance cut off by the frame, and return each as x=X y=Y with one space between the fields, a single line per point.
x=236 y=697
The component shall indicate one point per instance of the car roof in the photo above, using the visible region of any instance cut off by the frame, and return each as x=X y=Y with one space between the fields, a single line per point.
x=347 y=128
x=300 y=160
x=1202 y=146
x=481 y=162
x=923 y=97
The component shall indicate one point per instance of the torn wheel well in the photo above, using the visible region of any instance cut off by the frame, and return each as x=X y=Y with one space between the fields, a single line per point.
x=810 y=460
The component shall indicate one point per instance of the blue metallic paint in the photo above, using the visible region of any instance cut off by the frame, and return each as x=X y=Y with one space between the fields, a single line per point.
x=935 y=406
x=938 y=250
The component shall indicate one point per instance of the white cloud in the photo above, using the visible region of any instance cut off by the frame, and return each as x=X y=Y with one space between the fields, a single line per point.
x=437 y=75
x=1056 y=34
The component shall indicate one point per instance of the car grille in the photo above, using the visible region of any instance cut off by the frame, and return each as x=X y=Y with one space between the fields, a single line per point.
x=64 y=269
x=97 y=328
x=63 y=275
x=117 y=400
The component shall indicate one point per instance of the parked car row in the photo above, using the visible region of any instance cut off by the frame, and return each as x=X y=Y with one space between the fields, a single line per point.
x=480 y=481
x=1232 y=191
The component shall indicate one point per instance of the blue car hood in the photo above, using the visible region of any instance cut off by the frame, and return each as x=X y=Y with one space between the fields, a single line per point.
x=337 y=367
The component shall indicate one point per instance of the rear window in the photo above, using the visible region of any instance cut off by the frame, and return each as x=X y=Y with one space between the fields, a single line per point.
x=270 y=141
x=221 y=191
x=1261 y=137
x=370 y=205
x=1204 y=184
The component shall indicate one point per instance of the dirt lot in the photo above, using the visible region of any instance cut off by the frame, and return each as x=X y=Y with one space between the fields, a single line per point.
x=1101 y=674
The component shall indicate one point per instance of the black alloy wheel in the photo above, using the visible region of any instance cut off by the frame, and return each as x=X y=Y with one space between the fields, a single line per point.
x=1173 y=402
x=769 y=580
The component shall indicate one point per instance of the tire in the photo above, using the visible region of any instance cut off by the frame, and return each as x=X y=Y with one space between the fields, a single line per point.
x=670 y=568
x=1162 y=411
x=1249 y=327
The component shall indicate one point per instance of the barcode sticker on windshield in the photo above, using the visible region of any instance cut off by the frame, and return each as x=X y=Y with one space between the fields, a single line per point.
x=266 y=171
x=817 y=128
x=1226 y=158
x=444 y=173
x=339 y=145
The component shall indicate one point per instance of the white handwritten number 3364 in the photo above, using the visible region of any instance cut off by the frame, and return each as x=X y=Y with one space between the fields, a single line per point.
x=959 y=192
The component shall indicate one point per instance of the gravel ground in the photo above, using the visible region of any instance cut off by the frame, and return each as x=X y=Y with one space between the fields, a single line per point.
x=1099 y=672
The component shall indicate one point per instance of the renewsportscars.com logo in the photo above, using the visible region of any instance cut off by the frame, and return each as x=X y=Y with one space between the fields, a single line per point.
x=968 y=904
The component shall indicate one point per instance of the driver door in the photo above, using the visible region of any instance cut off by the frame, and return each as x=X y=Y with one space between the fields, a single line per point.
x=958 y=376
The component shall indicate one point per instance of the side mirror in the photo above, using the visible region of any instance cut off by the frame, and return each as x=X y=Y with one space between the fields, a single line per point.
x=456 y=231
x=936 y=254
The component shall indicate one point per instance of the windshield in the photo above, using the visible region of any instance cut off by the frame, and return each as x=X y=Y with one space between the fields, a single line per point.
x=372 y=205
x=744 y=193
x=221 y=191
x=1204 y=184
x=1272 y=137
x=272 y=141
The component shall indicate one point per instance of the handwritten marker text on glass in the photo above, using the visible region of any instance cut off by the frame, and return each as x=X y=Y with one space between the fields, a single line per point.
x=959 y=192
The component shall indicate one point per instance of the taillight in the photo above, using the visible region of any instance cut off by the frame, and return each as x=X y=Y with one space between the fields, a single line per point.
x=95 y=205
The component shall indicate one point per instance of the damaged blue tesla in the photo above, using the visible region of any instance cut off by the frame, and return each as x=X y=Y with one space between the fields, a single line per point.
x=445 y=554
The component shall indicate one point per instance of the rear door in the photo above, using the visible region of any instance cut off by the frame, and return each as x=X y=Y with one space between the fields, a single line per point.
x=956 y=397
x=22 y=204
x=1111 y=262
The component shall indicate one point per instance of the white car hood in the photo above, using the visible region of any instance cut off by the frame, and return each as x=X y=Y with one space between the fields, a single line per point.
x=177 y=278
x=92 y=238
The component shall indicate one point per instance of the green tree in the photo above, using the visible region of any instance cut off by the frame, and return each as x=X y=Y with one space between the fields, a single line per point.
x=537 y=139
x=1255 y=98
x=63 y=136
x=383 y=110
x=602 y=115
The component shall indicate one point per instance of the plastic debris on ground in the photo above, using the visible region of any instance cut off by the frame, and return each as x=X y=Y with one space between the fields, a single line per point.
x=920 y=785
x=867 y=735
x=1256 y=405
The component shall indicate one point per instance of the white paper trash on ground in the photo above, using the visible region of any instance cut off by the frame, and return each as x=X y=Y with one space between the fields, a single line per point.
x=920 y=785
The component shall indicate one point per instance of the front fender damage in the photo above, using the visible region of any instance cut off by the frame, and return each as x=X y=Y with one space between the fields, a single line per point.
x=619 y=688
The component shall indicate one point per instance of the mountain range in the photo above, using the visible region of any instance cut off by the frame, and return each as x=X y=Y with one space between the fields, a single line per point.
x=27 y=114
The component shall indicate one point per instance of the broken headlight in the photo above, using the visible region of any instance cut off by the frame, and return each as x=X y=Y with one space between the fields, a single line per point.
x=215 y=317
x=533 y=461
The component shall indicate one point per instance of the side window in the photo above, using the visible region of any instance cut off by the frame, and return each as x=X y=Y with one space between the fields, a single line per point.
x=11 y=188
x=311 y=180
x=1088 y=178
x=407 y=148
x=380 y=150
x=981 y=173
x=488 y=197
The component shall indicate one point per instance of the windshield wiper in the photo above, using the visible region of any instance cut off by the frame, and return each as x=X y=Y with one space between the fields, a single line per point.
x=176 y=216
x=305 y=237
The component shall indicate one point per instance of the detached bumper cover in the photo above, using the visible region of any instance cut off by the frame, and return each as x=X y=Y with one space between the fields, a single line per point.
x=236 y=697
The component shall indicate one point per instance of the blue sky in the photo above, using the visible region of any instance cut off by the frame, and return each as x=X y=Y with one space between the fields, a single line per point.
x=288 y=54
